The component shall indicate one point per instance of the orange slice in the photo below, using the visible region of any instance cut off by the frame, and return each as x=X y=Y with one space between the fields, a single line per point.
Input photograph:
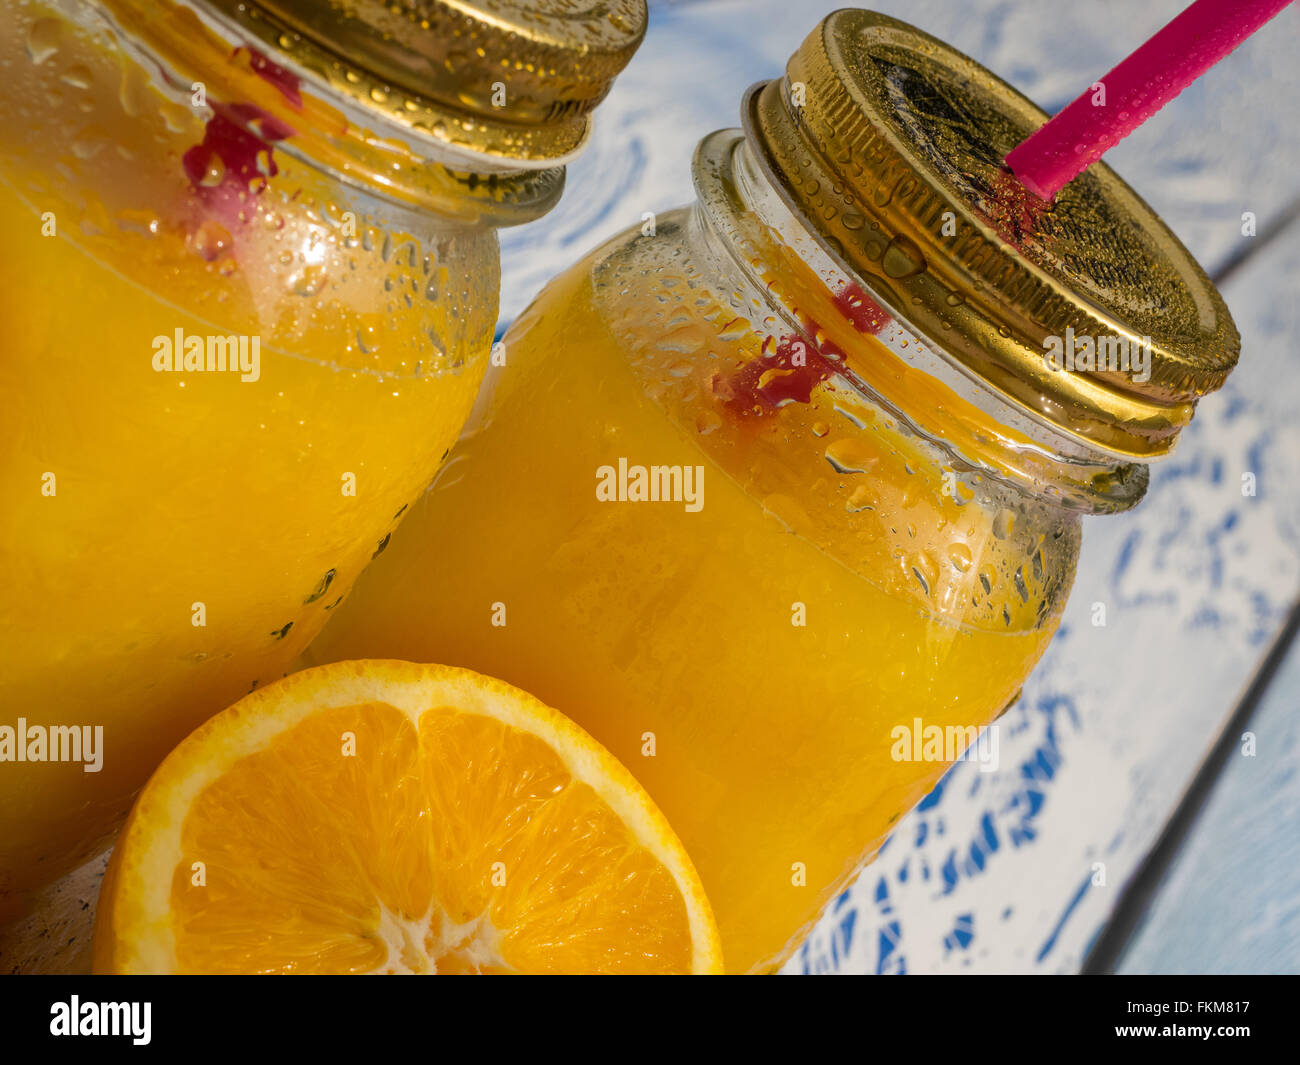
x=383 y=817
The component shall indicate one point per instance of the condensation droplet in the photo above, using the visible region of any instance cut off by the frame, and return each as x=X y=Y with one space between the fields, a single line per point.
x=1019 y=581
x=86 y=147
x=707 y=421
x=367 y=344
x=850 y=455
x=902 y=259
x=43 y=39
x=309 y=280
x=214 y=173
x=211 y=240
x=860 y=499
x=78 y=77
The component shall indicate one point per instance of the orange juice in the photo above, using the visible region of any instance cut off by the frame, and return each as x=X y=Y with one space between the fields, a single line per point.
x=228 y=371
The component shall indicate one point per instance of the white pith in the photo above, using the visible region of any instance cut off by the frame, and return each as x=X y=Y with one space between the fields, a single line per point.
x=414 y=946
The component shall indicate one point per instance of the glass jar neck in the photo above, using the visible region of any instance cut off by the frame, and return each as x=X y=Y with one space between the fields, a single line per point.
x=202 y=61
x=754 y=235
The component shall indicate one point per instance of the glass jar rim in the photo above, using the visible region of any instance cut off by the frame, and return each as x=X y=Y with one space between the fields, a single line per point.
x=1014 y=447
x=1086 y=311
x=182 y=48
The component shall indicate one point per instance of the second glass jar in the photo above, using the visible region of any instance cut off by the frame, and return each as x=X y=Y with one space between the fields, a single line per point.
x=733 y=509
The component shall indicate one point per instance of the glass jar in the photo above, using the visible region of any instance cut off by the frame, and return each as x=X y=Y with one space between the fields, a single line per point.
x=249 y=291
x=780 y=495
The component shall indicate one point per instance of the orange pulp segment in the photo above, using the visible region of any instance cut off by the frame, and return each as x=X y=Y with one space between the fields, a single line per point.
x=384 y=817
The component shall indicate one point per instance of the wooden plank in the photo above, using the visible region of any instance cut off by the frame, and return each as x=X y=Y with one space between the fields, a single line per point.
x=1230 y=901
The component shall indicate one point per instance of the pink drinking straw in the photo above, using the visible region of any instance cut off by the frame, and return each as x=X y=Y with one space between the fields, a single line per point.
x=1135 y=90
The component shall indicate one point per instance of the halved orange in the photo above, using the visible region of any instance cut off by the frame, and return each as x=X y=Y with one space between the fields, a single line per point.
x=384 y=817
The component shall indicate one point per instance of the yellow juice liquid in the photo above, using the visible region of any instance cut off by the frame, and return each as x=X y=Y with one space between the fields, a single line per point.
x=172 y=539
x=747 y=660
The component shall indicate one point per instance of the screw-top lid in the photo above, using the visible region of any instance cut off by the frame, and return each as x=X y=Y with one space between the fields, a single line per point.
x=889 y=144
x=513 y=79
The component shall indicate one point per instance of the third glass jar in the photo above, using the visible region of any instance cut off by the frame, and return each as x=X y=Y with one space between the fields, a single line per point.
x=779 y=495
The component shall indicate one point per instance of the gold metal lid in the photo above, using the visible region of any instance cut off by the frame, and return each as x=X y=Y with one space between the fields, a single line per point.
x=516 y=80
x=889 y=144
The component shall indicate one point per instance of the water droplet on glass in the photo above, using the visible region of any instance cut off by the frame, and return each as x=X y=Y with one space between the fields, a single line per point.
x=211 y=240
x=78 y=77
x=959 y=556
x=43 y=39
x=707 y=421
x=902 y=259
x=309 y=280
x=860 y=499
x=214 y=173
x=367 y=341
x=1019 y=582
x=86 y=147
x=850 y=455
x=144 y=222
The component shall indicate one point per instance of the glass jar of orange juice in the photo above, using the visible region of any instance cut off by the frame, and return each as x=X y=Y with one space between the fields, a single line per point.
x=780 y=495
x=248 y=284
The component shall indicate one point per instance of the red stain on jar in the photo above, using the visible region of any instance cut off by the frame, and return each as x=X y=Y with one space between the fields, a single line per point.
x=236 y=150
x=237 y=158
x=865 y=314
x=285 y=82
x=767 y=383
